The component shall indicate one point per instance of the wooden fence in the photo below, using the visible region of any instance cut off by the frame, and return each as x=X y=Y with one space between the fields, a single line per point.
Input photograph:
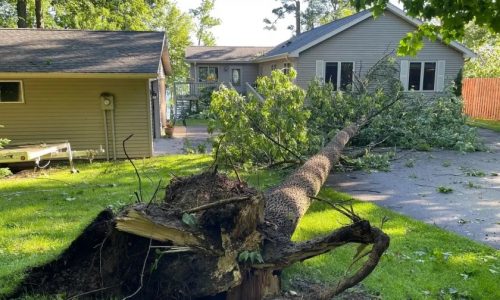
x=482 y=97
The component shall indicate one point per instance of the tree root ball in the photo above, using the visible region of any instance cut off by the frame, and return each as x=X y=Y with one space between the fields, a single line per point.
x=147 y=251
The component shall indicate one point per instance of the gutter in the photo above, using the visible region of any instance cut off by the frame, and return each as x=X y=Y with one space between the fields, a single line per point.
x=77 y=75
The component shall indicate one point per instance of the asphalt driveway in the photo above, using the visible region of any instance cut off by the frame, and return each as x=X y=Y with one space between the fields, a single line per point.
x=471 y=209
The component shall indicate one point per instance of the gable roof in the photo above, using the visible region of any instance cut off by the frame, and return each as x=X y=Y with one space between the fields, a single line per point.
x=224 y=54
x=308 y=39
x=81 y=51
x=312 y=35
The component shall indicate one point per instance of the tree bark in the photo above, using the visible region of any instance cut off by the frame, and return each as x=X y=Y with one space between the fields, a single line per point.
x=21 y=14
x=38 y=13
x=297 y=17
x=289 y=201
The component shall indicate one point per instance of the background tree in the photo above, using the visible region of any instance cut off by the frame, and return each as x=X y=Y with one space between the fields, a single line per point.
x=287 y=7
x=204 y=22
x=318 y=12
x=21 y=14
x=38 y=14
x=487 y=47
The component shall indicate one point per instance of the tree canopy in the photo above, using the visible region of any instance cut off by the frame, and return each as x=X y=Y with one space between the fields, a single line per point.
x=204 y=22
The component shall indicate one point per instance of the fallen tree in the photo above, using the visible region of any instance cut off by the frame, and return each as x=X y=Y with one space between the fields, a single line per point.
x=211 y=237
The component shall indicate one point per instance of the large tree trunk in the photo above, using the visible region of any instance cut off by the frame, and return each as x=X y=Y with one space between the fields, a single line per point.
x=39 y=13
x=211 y=237
x=21 y=14
x=297 y=17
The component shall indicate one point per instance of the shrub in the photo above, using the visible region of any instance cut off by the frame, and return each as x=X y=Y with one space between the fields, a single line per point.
x=252 y=131
x=4 y=172
x=415 y=121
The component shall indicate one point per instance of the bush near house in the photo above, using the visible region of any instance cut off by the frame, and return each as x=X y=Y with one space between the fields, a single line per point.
x=292 y=124
x=4 y=171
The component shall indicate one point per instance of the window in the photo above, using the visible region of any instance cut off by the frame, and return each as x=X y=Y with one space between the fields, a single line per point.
x=208 y=74
x=273 y=67
x=331 y=71
x=339 y=76
x=11 y=91
x=346 y=75
x=236 y=76
x=422 y=76
x=286 y=68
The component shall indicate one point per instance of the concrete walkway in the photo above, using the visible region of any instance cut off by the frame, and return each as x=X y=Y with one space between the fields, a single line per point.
x=194 y=135
x=472 y=209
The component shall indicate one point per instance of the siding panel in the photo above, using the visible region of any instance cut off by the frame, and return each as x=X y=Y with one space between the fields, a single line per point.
x=69 y=109
x=366 y=42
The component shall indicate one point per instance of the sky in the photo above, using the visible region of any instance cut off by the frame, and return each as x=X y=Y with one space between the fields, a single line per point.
x=242 y=23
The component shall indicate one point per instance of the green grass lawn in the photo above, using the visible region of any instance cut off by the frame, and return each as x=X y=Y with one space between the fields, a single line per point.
x=196 y=122
x=40 y=216
x=487 y=124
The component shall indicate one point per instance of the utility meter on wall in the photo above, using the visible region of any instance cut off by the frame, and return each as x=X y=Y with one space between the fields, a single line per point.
x=107 y=101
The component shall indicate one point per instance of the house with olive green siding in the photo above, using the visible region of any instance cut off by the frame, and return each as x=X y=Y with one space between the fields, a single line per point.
x=334 y=52
x=91 y=88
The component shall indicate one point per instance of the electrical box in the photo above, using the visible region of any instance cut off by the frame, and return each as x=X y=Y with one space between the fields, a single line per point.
x=107 y=101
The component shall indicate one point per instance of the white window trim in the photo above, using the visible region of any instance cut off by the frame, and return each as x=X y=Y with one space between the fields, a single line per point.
x=339 y=68
x=21 y=87
x=290 y=66
x=422 y=65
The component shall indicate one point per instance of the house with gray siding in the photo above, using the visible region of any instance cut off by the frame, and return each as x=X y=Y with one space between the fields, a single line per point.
x=333 y=53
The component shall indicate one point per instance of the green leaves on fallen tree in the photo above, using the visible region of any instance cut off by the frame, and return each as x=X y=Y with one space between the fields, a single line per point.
x=261 y=133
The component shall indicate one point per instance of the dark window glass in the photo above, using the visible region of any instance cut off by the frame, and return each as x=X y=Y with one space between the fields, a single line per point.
x=414 y=78
x=429 y=76
x=208 y=74
x=331 y=69
x=10 y=91
x=236 y=76
x=345 y=75
x=286 y=68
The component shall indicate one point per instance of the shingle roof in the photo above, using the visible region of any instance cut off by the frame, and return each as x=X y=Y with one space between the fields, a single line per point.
x=78 y=51
x=313 y=34
x=225 y=54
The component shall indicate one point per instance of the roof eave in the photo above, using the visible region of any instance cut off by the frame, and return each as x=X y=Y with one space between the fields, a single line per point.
x=201 y=61
x=22 y=75
x=285 y=55
x=165 y=57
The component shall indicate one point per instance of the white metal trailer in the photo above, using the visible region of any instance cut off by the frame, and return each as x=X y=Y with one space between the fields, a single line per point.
x=44 y=151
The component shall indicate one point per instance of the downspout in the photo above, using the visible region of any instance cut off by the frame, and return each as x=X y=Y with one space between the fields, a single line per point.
x=113 y=135
x=106 y=133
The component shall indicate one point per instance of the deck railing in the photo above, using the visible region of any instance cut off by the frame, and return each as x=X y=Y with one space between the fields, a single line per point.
x=193 y=89
x=192 y=97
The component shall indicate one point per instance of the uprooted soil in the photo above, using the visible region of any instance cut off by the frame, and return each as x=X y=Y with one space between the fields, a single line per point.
x=104 y=262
